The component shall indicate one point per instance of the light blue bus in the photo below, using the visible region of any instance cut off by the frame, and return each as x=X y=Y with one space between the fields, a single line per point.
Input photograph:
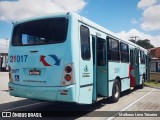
x=65 y=57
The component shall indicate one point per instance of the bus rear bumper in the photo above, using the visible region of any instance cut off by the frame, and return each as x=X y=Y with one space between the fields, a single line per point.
x=65 y=94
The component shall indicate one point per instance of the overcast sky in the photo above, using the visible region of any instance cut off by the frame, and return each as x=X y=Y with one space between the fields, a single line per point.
x=126 y=18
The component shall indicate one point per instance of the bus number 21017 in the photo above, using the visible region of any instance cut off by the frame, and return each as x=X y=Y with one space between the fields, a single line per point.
x=18 y=58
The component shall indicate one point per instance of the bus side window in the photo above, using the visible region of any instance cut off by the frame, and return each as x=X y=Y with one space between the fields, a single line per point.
x=142 y=56
x=113 y=50
x=131 y=58
x=85 y=43
x=101 y=52
x=124 y=49
x=137 y=60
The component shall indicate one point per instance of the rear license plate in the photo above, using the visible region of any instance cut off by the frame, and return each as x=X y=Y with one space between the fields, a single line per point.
x=34 y=72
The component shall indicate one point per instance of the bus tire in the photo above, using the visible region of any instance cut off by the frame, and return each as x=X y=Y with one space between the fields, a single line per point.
x=115 y=92
x=144 y=77
x=142 y=85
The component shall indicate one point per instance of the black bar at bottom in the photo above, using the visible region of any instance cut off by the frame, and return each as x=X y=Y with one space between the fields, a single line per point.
x=32 y=114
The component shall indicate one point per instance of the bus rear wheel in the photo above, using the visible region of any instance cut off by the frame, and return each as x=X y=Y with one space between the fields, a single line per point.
x=142 y=85
x=115 y=92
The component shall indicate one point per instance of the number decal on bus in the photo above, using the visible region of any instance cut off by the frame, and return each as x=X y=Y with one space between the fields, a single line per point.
x=116 y=70
x=18 y=58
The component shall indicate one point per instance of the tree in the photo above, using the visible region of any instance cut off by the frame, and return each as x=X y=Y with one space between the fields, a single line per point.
x=143 y=43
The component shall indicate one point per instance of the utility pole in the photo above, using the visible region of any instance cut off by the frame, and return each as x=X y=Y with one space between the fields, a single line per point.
x=135 y=38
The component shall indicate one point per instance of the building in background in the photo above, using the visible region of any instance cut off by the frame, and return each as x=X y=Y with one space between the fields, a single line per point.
x=4 y=54
x=155 y=59
x=3 y=61
x=155 y=52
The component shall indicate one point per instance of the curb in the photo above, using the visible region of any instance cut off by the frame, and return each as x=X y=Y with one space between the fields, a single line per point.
x=152 y=86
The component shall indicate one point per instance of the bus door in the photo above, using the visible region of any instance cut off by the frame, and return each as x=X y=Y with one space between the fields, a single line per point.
x=147 y=68
x=85 y=66
x=100 y=67
x=94 y=68
x=132 y=69
x=137 y=66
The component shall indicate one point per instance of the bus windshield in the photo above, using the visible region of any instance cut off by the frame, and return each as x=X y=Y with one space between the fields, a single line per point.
x=40 y=32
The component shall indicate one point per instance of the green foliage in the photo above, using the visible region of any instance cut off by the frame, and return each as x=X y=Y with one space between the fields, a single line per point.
x=152 y=84
x=143 y=43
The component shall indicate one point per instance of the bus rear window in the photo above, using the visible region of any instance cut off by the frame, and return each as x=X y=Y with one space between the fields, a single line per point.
x=39 y=32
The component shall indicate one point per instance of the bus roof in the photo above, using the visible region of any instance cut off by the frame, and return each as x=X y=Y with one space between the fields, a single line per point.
x=90 y=23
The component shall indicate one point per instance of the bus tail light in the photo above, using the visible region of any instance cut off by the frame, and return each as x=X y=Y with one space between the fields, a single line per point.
x=68 y=75
x=68 y=69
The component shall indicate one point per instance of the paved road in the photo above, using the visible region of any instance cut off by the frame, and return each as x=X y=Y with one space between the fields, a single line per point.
x=147 y=99
x=4 y=80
